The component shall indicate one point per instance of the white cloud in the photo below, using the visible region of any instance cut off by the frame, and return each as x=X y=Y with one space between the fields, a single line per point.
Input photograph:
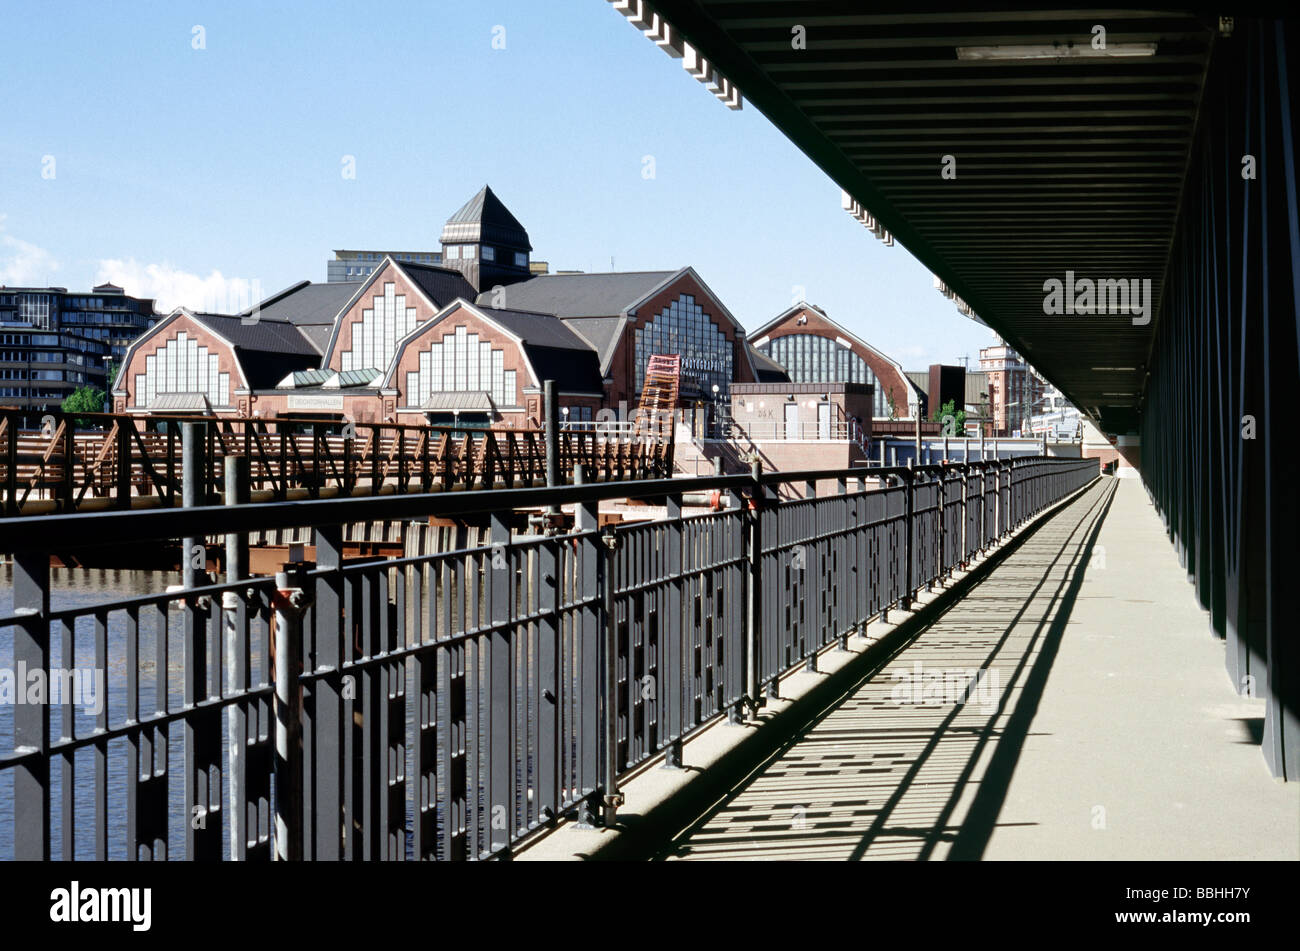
x=171 y=287
x=23 y=264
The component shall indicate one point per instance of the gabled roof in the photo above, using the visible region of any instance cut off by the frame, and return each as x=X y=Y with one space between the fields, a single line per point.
x=583 y=295
x=484 y=218
x=554 y=351
x=307 y=303
x=603 y=333
x=786 y=315
x=766 y=369
x=442 y=285
x=551 y=350
x=543 y=330
x=265 y=348
x=438 y=285
x=759 y=335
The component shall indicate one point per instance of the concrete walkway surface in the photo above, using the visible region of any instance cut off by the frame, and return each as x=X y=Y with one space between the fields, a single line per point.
x=1074 y=705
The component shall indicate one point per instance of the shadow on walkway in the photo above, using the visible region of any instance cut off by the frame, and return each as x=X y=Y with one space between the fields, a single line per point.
x=916 y=762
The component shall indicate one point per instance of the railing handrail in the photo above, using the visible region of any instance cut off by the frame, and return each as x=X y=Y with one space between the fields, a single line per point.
x=108 y=527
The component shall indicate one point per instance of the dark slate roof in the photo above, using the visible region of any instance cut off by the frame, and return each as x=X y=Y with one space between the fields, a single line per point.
x=267 y=349
x=583 y=295
x=768 y=370
x=312 y=308
x=318 y=334
x=442 y=285
x=555 y=351
x=308 y=303
x=540 y=329
x=603 y=333
x=485 y=218
x=575 y=371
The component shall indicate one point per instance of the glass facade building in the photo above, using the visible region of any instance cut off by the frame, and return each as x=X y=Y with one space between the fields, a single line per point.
x=53 y=341
x=812 y=358
x=708 y=357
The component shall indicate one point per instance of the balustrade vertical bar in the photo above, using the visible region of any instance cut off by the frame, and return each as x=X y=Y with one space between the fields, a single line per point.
x=31 y=722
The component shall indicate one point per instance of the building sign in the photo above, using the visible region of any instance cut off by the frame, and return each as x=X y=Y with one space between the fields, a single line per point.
x=316 y=401
x=703 y=363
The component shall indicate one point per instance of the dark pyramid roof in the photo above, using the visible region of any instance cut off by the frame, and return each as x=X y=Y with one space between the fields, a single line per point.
x=483 y=218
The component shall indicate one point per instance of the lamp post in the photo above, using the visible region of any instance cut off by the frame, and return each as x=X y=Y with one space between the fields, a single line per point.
x=717 y=421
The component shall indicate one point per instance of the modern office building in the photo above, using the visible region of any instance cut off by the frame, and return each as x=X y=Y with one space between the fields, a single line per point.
x=53 y=341
x=351 y=266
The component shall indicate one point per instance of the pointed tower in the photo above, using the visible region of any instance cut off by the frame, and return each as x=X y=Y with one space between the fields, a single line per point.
x=486 y=243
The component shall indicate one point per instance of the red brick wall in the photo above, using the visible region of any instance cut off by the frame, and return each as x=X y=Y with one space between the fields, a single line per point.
x=889 y=379
x=389 y=274
x=408 y=359
x=136 y=365
x=622 y=368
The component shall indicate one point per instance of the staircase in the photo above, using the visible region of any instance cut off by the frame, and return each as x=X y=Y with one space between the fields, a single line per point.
x=655 y=411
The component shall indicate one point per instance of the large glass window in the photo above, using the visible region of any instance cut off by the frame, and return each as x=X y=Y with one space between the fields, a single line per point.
x=462 y=362
x=375 y=335
x=684 y=328
x=811 y=358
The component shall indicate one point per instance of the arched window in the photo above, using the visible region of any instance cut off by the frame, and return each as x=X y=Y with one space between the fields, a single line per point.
x=684 y=328
x=812 y=358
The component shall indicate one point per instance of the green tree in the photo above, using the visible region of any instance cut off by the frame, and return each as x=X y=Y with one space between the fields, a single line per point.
x=949 y=408
x=84 y=399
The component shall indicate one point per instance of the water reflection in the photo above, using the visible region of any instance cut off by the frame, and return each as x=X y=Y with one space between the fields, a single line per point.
x=160 y=631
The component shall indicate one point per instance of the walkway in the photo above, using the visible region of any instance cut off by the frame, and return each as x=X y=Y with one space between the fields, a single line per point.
x=1104 y=728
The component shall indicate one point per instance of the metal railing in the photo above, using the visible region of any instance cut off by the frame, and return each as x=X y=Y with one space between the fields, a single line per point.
x=61 y=468
x=447 y=706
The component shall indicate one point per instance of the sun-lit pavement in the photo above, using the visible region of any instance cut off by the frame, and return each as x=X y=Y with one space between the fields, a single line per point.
x=1104 y=726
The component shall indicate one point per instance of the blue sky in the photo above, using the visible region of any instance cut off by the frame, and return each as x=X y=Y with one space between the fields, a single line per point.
x=205 y=175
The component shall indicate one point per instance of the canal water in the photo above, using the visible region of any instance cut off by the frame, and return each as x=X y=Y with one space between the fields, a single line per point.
x=86 y=588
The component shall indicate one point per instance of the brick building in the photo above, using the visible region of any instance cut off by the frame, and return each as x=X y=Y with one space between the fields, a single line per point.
x=1015 y=391
x=812 y=348
x=469 y=341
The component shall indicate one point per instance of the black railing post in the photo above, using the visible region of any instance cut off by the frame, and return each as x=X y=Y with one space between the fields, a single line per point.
x=290 y=601
x=909 y=490
x=500 y=667
x=670 y=694
x=849 y=583
x=588 y=637
x=609 y=705
x=235 y=620
x=325 y=700
x=123 y=474
x=11 y=467
x=31 y=721
x=753 y=642
x=67 y=485
x=810 y=494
